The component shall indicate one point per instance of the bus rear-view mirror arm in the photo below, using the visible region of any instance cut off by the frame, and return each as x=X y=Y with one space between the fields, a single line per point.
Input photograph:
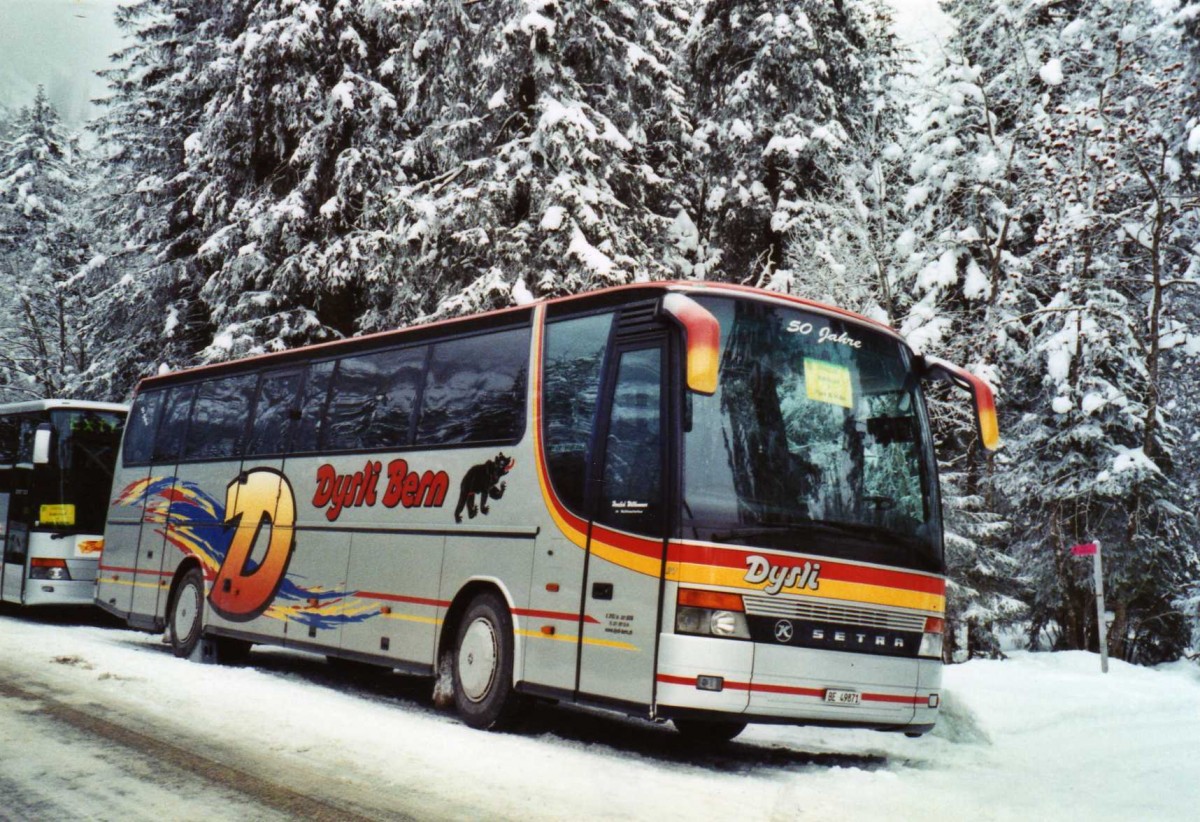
x=41 y=444
x=985 y=401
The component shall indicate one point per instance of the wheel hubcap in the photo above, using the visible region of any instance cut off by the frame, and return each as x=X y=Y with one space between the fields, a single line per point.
x=187 y=609
x=477 y=660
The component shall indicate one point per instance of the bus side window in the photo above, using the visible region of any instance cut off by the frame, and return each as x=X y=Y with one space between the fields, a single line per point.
x=312 y=407
x=475 y=390
x=219 y=418
x=272 y=423
x=172 y=427
x=573 y=357
x=372 y=401
x=143 y=419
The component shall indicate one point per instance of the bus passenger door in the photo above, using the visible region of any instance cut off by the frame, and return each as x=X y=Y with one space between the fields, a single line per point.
x=628 y=501
x=16 y=542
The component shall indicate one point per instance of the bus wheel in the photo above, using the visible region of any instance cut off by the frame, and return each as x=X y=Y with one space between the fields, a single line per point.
x=483 y=665
x=187 y=612
x=709 y=733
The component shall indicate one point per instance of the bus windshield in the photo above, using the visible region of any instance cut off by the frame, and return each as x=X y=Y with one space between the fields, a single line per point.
x=816 y=441
x=71 y=494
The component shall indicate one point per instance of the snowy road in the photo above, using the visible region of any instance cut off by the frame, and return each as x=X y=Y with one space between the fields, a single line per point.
x=99 y=723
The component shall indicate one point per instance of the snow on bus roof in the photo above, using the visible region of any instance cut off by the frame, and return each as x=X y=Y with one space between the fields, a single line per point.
x=515 y=314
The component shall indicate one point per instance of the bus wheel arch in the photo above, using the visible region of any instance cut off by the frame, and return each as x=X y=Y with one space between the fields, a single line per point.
x=185 y=609
x=478 y=653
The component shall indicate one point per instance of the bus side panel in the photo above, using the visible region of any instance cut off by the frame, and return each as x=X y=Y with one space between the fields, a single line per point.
x=250 y=494
x=394 y=608
x=122 y=532
x=554 y=595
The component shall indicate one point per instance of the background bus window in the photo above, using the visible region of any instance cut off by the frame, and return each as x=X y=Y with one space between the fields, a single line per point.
x=272 y=421
x=372 y=401
x=475 y=390
x=80 y=475
x=219 y=418
x=143 y=419
x=172 y=428
x=312 y=407
x=573 y=358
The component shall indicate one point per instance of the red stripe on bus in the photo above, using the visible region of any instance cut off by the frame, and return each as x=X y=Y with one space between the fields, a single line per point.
x=136 y=570
x=667 y=679
x=434 y=603
x=830 y=570
x=530 y=612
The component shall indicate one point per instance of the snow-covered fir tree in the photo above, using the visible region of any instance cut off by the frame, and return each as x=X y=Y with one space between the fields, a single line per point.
x=1101 y=194
x=781 y=92
x=42 y=247
x=547 y=145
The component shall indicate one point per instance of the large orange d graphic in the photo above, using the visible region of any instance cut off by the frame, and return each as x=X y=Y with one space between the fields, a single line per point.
x=258 y=498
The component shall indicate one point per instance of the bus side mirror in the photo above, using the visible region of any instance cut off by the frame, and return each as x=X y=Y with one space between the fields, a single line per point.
x=985 y=401
x=41 y=444
x=702 y=333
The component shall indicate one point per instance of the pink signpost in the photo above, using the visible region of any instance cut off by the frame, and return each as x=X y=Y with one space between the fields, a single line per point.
x=1092 y=549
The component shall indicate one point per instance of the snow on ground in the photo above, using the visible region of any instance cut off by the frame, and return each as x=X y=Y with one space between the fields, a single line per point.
x=1039 y=736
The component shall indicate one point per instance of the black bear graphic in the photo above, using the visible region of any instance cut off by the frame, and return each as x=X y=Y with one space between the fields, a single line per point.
x=484 y=480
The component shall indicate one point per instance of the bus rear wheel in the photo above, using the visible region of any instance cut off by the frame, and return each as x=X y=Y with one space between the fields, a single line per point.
x=708 y=732
x=187 y=613
x=483 y=665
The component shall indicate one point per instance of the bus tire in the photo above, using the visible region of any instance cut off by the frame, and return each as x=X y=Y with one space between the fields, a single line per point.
x=187 y=614
x=483 y=665
x=708 y=732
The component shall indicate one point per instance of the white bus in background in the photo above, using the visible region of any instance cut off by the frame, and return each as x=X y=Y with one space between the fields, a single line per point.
x=684 y=501
x=56 y=467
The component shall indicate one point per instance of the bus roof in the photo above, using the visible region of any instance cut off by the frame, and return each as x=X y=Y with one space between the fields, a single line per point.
x=55 y=405
x=599 y=298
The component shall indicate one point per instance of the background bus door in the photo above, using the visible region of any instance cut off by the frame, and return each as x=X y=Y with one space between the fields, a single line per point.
x=16 y=541
x=629 y=494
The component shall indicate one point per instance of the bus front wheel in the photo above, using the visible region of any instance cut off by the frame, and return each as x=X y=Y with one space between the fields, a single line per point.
x=187 y=613
x=483 y=665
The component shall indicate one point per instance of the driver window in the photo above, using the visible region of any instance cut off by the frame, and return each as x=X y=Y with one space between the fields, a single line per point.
x=632 y=493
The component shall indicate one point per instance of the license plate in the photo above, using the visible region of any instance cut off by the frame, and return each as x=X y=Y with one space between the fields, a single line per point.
x=833 y=697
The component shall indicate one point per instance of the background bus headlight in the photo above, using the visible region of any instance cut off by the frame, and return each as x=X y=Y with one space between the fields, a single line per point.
x=710 y=613
x=55 y=569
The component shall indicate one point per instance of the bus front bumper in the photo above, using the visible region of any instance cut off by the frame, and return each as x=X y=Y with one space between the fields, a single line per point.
x=766 y=683
x=59 y=592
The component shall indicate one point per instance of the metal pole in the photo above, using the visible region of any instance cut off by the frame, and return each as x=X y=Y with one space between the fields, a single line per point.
x=1101 y=625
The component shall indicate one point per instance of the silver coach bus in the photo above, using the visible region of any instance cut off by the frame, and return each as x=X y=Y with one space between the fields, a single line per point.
x=690 y=501
x=56 y=466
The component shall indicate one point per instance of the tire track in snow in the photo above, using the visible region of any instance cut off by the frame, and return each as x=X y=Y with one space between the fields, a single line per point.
x=186 y=764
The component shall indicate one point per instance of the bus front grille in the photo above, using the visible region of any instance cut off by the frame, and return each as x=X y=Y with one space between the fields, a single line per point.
x=769 y=606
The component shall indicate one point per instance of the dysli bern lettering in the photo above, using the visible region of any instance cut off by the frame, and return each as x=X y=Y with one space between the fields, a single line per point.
x=405 y=488
x=778 y=577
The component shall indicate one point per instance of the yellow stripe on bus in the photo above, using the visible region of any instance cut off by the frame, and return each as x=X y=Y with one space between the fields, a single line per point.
x=606 y=643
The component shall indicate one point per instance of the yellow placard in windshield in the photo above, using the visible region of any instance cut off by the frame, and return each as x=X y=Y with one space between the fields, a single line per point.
x=57 y=515
x=826 y=382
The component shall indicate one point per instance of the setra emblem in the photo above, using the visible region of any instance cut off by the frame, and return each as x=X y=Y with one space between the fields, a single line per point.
x=783 y=631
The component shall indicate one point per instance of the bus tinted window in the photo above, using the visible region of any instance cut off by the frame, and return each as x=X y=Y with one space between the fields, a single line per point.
x=219 y=418
x=173 y=425
x=139 y=439
x=312 y=407
x=271 y=427
x=574 y=355
x=372 y=401
x=475 y=390
x=9 y=428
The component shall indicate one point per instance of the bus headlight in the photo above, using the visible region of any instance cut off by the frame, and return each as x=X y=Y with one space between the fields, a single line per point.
x=710 y=613
x=931 y=640
x=56 y=569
